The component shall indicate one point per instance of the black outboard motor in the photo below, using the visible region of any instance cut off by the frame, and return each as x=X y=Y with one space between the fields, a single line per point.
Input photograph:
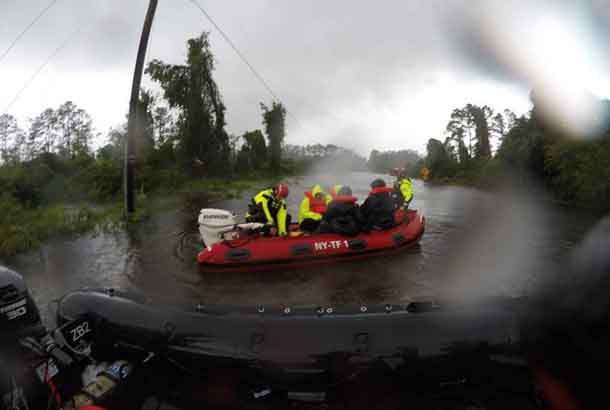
x=18 y=313
x=19 y=318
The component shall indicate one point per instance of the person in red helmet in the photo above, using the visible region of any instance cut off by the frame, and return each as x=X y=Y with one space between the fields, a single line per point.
x=269 y=207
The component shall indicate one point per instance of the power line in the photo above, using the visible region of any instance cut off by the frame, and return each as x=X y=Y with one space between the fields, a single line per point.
x=41 y=67
x=243 y=58
x=27 y=28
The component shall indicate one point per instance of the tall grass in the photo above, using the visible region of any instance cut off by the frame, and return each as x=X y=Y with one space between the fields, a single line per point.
x=23 y=228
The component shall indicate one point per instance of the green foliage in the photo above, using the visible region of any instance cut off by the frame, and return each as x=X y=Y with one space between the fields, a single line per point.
x=23 y=228
x=274 y=120
x=191 y=89
x=439 y=160
x=11 y=139
x=66 y=131
x=253 y=152
x=106 y=179
x=474 y=124
x=579 y=171
x=575 y=167
x=522 y=148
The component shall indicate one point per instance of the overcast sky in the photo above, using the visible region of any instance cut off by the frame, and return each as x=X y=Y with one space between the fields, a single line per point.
x=360 y=74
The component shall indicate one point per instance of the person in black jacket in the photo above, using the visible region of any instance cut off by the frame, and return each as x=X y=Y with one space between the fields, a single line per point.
x=342 y=214
x=377 y=211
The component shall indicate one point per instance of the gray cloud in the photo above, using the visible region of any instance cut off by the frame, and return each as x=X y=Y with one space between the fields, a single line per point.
x=365 y=74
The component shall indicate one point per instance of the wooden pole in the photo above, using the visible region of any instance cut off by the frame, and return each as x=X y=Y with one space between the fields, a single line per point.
x=130 y=155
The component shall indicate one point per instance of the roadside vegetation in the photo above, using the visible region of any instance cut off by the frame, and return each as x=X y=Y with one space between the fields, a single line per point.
x=574 y=167
x=53 y=182
x=57 y=180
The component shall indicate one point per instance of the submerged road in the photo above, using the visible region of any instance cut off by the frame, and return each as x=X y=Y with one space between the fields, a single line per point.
x=477 y=244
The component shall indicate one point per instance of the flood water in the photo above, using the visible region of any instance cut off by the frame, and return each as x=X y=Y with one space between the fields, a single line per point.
x=476 y=244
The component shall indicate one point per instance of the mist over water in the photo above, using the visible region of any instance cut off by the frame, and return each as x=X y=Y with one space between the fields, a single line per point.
x=477 y=244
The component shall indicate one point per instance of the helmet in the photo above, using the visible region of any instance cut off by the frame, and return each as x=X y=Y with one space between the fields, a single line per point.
x=281 y=190
x=378 y=183
x=345 y=191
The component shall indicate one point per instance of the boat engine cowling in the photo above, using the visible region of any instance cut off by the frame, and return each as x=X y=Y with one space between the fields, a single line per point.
x=18 y=313
x=214 y=224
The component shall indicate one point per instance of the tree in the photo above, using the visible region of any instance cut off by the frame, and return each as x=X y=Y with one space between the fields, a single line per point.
x=10 y=138
x=481 y=115
x=43 y=133
x=18 y=151
x=163 y=125
x=192 y=90
x=438 y=160
x=460 y=126
x=499 y=126
x=462 y=123
x=115 y=148
x=274 y=120
x=254 y=145
x=74 y=127
x=145 y=141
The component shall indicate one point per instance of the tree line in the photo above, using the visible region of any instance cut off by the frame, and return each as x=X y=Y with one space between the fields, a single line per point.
x=385 y=161
x=530 y=147
x=324 y=158
x=66 y=131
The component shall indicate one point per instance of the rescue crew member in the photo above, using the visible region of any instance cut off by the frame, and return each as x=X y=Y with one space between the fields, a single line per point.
x=269 y=207
x=312 y=208
x=342 y=214
x=334 y=190
x=377 y=211
x=403 y=188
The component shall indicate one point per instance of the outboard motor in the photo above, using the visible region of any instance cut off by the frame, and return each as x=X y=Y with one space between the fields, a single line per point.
x=18 y=313
x=19 y=318
x=217 y=225
x=214 y=224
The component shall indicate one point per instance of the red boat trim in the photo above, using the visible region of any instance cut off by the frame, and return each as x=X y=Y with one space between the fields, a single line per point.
x=303 y=263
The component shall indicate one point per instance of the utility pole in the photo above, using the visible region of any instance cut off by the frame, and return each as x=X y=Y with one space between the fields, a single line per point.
x=130 y=155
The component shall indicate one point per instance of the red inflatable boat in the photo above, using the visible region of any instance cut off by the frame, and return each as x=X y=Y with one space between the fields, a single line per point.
x=231 y=247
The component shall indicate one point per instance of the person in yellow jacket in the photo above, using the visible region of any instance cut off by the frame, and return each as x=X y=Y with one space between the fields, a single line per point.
x=269 y=207
x=403 y=188
x=313 y=208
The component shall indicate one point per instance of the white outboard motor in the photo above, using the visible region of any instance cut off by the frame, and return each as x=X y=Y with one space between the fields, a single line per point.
x=216 y=225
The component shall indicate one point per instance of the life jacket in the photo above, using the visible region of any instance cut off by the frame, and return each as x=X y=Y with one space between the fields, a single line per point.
x=267 y=208
x=316 y=205
x=404 y=189
x=380 y=190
